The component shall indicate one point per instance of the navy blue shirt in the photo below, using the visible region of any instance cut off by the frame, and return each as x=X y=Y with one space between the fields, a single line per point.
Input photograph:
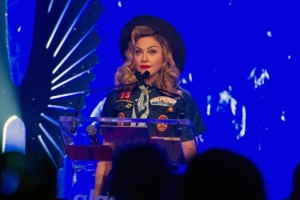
x=120 y=103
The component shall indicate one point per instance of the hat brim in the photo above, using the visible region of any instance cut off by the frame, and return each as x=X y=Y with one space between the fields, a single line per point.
x=161 y=27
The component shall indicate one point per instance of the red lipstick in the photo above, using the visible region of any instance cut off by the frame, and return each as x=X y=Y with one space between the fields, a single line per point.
x=145 y=66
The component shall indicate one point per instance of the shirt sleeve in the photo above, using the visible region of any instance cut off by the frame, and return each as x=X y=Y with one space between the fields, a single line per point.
x=107 y=110
x=192 y=113
x=98 y=109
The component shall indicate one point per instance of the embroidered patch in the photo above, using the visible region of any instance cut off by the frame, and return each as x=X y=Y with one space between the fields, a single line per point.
x=125 y=95
x=171 y=109
x=121 y=115
x=163 y=101
x=161 y=126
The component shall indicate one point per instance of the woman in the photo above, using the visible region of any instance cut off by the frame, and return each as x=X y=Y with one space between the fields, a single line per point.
x=151 y=46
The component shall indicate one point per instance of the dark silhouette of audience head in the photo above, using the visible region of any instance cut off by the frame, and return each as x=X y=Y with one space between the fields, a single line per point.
x=24 y=177
x=222 y=174
x=140 y=172
x=295 y=193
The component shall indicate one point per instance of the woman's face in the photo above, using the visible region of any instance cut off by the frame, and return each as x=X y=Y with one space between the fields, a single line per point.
x=148 y=56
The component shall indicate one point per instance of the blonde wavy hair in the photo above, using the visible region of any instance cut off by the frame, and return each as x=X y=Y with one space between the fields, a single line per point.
x=168 y=78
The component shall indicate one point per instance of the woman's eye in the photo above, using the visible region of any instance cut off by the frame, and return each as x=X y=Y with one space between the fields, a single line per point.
x=137 y=52
x=152 y=51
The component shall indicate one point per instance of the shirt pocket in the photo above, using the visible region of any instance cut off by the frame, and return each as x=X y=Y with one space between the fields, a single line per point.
x=159 y=111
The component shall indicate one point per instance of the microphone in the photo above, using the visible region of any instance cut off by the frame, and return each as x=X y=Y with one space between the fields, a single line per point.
x=92 y=133
x=141 y=77
x=138 y=75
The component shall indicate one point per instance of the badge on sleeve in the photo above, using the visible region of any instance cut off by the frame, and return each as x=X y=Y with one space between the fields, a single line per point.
x=125 y=95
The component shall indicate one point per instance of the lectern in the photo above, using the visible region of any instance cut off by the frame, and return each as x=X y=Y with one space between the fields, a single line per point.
x=80 y=134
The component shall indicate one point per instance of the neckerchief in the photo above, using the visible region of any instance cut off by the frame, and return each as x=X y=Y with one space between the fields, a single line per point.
x=141 y=105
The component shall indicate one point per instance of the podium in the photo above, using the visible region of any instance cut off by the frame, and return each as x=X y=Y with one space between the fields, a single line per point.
x=80 y=134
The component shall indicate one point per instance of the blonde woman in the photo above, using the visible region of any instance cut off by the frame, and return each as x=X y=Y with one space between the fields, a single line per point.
x=154 y=51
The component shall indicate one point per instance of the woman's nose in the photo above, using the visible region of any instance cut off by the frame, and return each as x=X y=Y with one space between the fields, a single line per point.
x=144 y=57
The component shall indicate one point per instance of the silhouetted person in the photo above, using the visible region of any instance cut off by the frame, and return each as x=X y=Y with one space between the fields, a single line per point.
x=140 y=172
x=24 y=177
x=295 y=193
x=221 y=174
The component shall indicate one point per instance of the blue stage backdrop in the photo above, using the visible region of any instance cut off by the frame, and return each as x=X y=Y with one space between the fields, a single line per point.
x=242 y=67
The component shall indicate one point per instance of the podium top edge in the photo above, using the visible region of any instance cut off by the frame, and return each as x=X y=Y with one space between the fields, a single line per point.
x=125 y=120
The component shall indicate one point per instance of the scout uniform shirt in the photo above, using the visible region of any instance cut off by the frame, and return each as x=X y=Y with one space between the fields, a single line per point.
x=149 y=102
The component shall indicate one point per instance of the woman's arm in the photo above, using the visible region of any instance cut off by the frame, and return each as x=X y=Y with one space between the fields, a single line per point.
x=189 y=149
x=102 y=171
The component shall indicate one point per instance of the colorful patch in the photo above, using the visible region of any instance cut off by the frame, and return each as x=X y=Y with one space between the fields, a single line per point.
x=161 y=126
x=121 y=115
x=125 y=95
x=163 y=101
x=129 y=105
x=171 y=109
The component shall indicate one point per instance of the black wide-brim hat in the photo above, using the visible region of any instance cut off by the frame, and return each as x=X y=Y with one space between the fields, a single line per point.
x=161 y=27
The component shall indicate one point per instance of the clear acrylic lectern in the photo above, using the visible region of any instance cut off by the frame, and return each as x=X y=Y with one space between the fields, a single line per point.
x=121 y=131
x=90 y=140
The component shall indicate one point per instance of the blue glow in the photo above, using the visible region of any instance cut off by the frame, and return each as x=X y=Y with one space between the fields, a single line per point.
x=19 y=36
x=242 y=69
